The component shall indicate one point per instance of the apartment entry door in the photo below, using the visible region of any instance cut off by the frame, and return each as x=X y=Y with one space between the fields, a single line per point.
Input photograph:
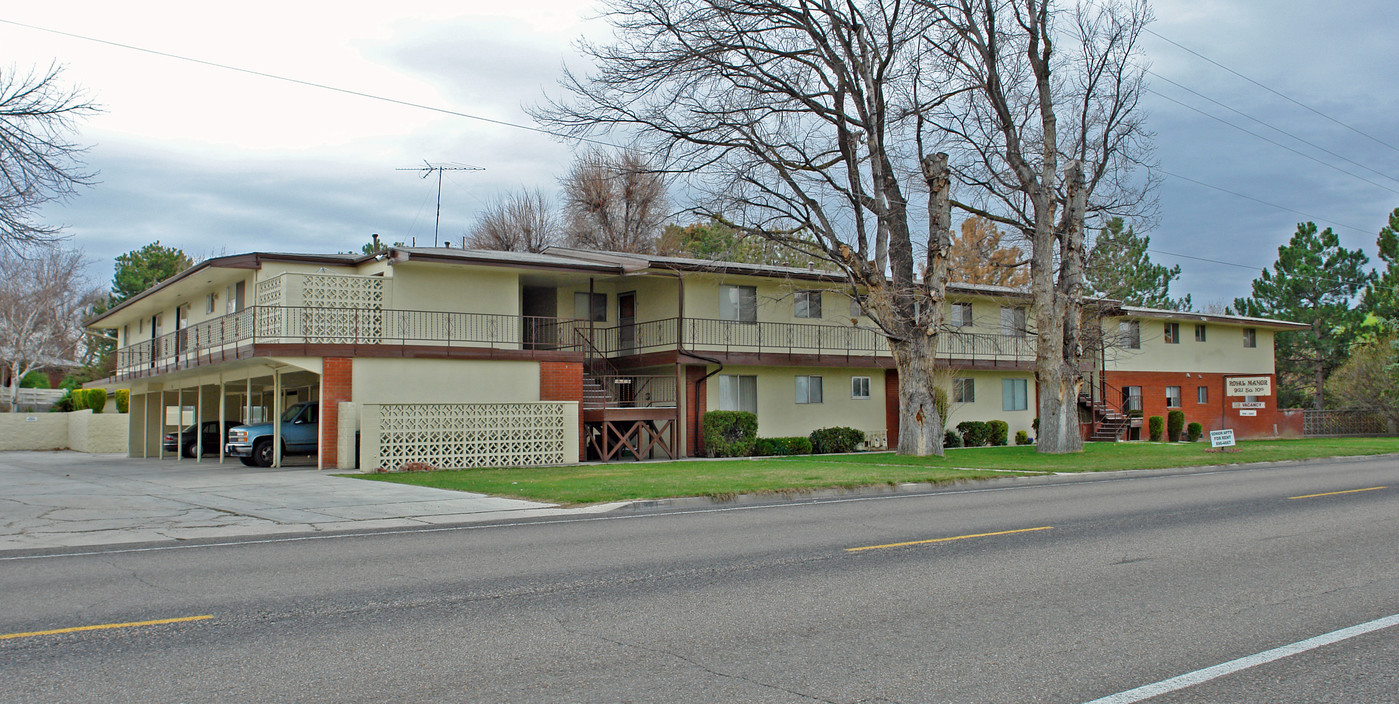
x=539 y=328
x=626 y=321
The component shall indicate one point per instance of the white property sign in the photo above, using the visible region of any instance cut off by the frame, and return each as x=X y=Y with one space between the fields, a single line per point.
x=1248 y=386
x=1250 y=404
x=1221 y=438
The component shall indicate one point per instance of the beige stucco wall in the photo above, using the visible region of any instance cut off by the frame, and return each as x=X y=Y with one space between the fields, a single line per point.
x=779 y=415
x=393 y=380
x=80 y=430
x=987 y=405
x=1222 y=351
x=445 y=287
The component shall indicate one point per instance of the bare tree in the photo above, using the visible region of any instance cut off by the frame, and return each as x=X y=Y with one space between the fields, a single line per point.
x=519 y=222
x=38 y=162
x=1042 y=139
x=43 y=296
x=614 y=201
x=792 y=120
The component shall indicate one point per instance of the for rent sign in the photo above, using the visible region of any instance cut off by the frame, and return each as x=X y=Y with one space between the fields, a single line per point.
x=1248 y=386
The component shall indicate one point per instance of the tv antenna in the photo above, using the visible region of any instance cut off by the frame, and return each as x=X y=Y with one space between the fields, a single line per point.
x=427 y=169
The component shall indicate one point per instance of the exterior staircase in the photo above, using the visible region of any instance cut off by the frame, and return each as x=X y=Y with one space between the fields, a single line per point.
x=594 y=393
x=1108 y=422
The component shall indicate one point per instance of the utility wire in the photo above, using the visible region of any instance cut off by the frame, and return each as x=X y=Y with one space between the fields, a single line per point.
x=1260 y=201
x=1280 y=94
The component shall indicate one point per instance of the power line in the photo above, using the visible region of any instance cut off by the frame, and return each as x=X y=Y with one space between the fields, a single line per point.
x=1278 y=93
x=1270 y=126
x=311 y=84
x=1260 y=201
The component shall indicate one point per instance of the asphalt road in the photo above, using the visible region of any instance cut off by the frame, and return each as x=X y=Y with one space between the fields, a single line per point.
x=1126 y=580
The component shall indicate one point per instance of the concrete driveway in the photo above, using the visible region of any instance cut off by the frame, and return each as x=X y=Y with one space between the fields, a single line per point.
x=67 y=499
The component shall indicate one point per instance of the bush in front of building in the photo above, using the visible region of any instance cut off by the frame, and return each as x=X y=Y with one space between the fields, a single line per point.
x=96 y=399
x=1156 y=425
x=1175 y=423
x=1194 y=431
x=951 y=439
x=34 y=380
x=837 y=439
x=729 y=433
x=765 y=447
x=974 y=433
x=1022 y=437
x=123 y=400
x=999 y=432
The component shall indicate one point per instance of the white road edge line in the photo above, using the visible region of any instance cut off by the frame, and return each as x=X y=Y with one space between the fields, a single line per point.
x=1191 y=679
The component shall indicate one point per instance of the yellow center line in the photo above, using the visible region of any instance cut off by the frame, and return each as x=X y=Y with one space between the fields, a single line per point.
x=103 y=626
x=944 y=540
x=1333 y=493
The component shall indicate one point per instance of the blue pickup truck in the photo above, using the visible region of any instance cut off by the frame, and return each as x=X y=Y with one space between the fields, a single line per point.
x=253 y=443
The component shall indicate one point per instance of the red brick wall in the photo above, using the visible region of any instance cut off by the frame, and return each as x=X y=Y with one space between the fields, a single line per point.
x=563 y=381
x=891 y=406
x=1217 y=413
x=337 y=375
x=695 y=400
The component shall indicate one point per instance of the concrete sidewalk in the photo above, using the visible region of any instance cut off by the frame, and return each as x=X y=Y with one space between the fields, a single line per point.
x=68 y=499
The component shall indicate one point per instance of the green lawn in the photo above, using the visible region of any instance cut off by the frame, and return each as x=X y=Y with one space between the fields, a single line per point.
x=652 y=480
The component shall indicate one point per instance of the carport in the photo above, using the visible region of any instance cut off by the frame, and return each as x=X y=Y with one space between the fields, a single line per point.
x=238 y=393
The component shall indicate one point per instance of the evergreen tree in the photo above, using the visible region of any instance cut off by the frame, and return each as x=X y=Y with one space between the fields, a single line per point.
x=717 y=241
x=978 y=257
x=1314 y=281
x=1120 y=268
x=143 y=268
x=1382 y=295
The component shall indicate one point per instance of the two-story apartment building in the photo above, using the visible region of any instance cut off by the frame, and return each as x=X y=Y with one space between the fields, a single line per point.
x=454 y=358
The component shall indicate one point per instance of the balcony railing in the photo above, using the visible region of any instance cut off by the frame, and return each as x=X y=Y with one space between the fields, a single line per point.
x=730 y=336
x=222 y=338
x=629 y=391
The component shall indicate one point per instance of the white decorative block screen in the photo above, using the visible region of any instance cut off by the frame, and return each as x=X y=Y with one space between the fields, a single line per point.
x=461 y=435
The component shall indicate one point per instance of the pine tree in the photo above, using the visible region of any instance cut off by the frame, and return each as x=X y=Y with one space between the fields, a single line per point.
x=978 y=257
x=1120 y=268
x=1382 y=295
x=1314 y=281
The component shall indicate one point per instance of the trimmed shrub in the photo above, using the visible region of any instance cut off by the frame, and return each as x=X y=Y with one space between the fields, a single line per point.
x=1035 y=425
x=78 y=399
x=64 y=404
x=1022 y=437
x=782 y=446
x=951 y=439
x=837 y=439
x=1175 y=422
x=123 y=400
x=1194 y=431
x=999 y=430
x=729 y=433
x=97 y=399
x=974 y=433
x=1156 y=425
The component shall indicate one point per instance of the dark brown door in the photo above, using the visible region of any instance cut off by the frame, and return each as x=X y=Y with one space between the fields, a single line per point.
x=626 y=320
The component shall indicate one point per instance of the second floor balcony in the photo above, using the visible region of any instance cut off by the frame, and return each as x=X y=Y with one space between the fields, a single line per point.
x=316 y=331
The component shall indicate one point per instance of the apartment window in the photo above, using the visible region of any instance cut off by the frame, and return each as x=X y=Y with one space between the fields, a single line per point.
x=739 y=303
x=1202 y=394
x=209 y=304
x=1199 y=333
x=1131 y=398
x=233 y=298
x=1172 y=397
x=599 y=307
x=738 y=393
x=808 y=389
x=1012 y=321
x=1250 y=337
x=1015 y=394
x=961 y=315
x=807 y=304
x=963 y=390
x=1172 y=333
x=859 y=387
x=1130 y=331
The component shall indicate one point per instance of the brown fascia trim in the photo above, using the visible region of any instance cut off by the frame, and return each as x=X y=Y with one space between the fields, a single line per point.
x=251 y=260
x=1241 y=321
x=404 y=257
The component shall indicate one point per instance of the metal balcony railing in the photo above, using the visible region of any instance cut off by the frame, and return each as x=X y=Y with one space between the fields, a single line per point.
x=223 y=337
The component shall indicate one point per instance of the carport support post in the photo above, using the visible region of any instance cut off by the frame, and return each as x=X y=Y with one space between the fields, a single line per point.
x=145 y=424
x=223 y=413
x=160 y=434
x=276 y=418
x=199 y=423
x=179 y=425
x=248 y=399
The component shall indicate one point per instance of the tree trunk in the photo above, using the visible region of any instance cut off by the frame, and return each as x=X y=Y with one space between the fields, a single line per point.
x=920 y=426
x=1058 y=315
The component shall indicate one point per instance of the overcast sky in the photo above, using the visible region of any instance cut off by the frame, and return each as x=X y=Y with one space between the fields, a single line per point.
x=213 y=161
